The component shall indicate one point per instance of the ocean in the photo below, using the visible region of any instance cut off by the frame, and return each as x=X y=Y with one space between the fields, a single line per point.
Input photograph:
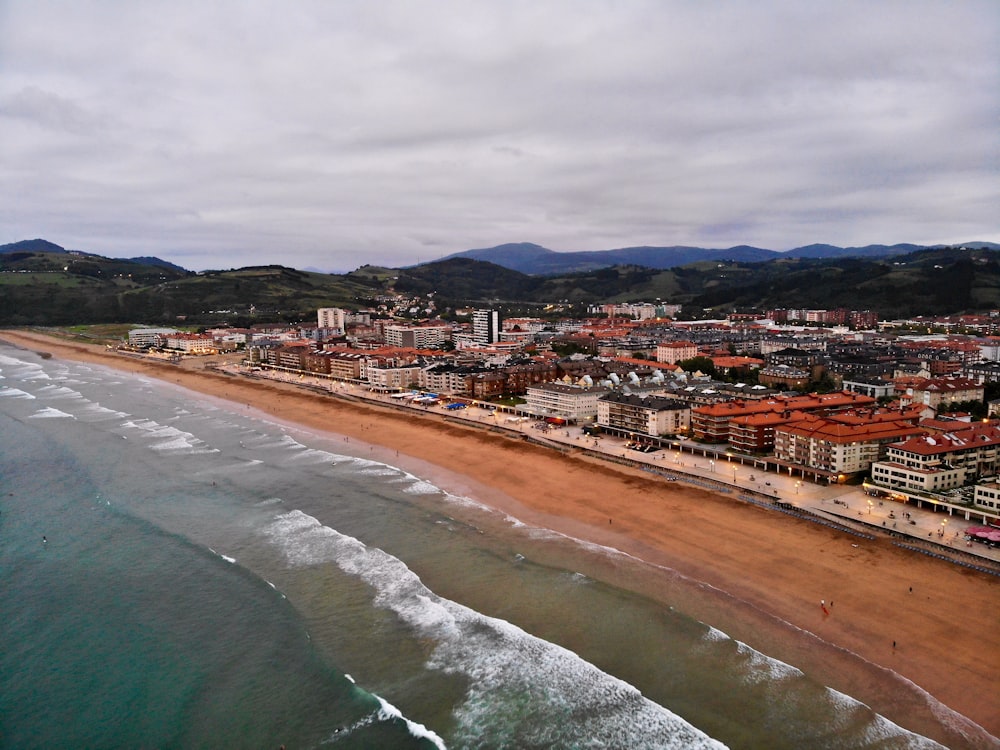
x=176 y=572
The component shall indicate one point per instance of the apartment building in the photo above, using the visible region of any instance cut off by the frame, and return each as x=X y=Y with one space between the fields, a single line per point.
x=428 y=336
x=146 y=337
x=711 y=422
x=933 y=463
x=332 y=318
x=653 y=416
x=937 y=391
x=192 y=343
x=671 y=352
x=837 y=445
x=570 y=402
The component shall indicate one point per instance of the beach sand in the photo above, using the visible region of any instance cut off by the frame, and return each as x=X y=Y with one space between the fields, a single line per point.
x=756 y=574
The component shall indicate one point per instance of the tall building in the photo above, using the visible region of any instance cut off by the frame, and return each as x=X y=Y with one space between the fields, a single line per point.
x=331 y=317
x=486 y=326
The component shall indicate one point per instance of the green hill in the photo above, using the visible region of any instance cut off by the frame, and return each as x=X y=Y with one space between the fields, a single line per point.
x=40 y=286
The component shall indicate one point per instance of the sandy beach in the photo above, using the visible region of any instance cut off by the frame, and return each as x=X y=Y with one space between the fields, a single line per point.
x=905 y=633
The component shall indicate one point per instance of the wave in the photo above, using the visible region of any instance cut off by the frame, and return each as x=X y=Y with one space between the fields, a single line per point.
x=8 y=392
x=524 y=691
x=58 y=391
x=169 y=438
x=50 y=413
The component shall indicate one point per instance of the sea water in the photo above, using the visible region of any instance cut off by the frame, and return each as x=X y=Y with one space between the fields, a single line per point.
x=178 y=572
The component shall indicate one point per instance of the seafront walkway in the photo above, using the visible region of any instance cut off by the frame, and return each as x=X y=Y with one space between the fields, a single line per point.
x=846 y=507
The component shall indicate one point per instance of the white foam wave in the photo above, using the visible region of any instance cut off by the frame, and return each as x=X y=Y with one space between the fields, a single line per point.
x=420 y=487
x=8 y=392
x=169 y=438
x=502 y=662
x=58 y=391
x=97 y=412
x=14 y=362
x=389 y=711
x=51 y=413
x=313 y=454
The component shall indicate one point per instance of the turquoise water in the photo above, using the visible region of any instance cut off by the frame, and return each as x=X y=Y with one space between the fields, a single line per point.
x=212 y=579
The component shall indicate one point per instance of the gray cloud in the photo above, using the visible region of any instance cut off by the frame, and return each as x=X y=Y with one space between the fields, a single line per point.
x=334 y=134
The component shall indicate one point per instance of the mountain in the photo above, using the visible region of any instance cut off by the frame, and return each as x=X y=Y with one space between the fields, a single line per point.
x=152 y=260
x=868 y=251
x=44 y=284
x=932 y=281
x=32 y=246
x=534 y=259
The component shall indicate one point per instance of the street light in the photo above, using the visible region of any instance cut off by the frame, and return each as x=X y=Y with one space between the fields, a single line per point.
x=734 y=475
x=711 y=465
x=797 y=485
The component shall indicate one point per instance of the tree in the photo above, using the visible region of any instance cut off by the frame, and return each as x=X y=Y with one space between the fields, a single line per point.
x=696 y=364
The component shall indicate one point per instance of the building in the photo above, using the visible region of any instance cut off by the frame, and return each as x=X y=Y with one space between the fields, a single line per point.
x=982 y=372
x=933 y=463
x=672 y=352
x=835 y=445
x=873 y=388
x=428 y=336
x=934 y=392
x=711 y=423
x=633 y=414
x=486 y=326
x=146 y=337
x=390 y=376
x=192 y=343
x=987 y=496
x=754 y=433
x=571 y=403
x=784 y=376
x=332 y=318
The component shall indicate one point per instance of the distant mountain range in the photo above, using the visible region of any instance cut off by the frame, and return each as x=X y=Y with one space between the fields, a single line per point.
x=529 y=258
x=41 y=283
x=44 y=246
x=535 y=260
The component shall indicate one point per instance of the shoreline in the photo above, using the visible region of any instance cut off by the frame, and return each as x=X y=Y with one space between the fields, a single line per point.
x=743 y=567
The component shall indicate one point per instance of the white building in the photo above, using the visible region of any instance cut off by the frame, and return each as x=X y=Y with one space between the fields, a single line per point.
x=417 y=337
x=192 y=343
x=988 y=496
x=933 y=463
x=392 y=377
x=570 y=402
x=332 y=318
x=142 y=337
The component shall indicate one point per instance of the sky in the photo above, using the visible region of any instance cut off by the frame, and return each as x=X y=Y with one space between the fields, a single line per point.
x=328 y=134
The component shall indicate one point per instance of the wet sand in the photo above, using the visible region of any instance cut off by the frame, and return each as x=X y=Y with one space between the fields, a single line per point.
x=758 y=575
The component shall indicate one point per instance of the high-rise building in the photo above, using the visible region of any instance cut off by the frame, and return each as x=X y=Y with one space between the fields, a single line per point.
x=486 y=326
x=333 y=318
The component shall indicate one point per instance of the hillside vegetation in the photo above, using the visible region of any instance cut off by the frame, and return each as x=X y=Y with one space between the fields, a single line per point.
x=40 y=285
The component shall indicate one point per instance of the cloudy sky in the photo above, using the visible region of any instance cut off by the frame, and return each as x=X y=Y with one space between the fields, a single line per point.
x=333 y=133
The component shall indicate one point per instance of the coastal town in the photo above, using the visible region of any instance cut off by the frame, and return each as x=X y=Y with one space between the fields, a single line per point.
x=879 y=427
